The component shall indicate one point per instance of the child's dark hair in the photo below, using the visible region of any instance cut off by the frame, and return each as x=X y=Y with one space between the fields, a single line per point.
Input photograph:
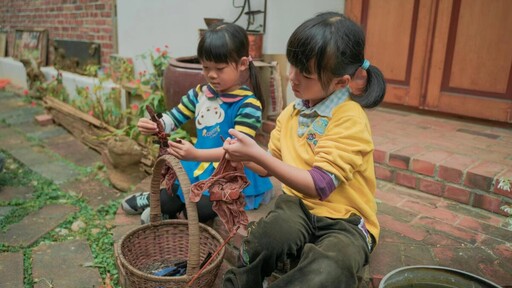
x=331 y=45
x=228 y=43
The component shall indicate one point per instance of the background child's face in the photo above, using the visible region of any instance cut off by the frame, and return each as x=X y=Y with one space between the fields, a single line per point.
x=224 y=77
x=306 y=87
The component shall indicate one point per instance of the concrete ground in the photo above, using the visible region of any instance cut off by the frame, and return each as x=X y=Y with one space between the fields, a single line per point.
x=437 y=197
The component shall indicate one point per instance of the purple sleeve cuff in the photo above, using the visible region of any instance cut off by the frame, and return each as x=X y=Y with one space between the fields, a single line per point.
x=324 y=184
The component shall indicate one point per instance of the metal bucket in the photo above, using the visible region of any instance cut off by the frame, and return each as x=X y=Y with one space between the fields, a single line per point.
x=433 y=277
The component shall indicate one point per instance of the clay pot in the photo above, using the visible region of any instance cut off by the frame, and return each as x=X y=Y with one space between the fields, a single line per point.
x=182 y=74
x=210 y=21
x=255 y=45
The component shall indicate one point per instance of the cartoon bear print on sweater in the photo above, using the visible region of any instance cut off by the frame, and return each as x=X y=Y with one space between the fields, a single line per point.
x=209 y=113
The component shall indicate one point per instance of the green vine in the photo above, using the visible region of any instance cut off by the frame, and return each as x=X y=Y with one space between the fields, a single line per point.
x=98 y=232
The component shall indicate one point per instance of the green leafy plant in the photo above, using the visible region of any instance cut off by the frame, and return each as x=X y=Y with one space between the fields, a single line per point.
x=91 y=70
x=122 y=69
x=148 y=84
x=104 y=104
x=150 y=81
x=54 y=88
x=505 y=184
x=101 y=103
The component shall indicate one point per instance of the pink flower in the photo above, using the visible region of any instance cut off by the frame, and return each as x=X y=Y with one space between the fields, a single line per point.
x=33 y=104
x=135 y=107
x=25 y=92
x=164 y=53
x=87 y=88
x=137 y=81
x=157 y=50
x=166 y=46
x=129 y=61
x=90 y=113
x=146 y=95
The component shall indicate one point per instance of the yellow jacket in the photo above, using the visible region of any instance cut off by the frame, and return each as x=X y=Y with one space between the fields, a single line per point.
x=345 y=149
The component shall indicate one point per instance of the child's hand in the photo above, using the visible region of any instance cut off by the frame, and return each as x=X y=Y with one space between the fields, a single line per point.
x=182 y=150
x=146 y=126
x=241 y=148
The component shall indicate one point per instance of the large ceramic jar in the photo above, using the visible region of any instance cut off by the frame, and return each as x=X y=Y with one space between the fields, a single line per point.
x=182 y=74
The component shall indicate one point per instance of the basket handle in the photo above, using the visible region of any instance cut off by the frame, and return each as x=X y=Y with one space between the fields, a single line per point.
x=156 y=213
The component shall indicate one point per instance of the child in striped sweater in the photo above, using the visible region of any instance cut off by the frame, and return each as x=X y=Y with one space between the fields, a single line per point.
x=221 y=104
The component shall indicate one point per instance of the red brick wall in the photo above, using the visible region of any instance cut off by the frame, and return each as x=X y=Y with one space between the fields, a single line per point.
x=82 y=20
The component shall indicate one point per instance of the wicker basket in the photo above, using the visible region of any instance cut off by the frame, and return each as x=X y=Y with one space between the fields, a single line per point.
x=169 y=241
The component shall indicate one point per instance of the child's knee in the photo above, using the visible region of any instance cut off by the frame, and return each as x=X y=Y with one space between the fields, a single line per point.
x=285 y=200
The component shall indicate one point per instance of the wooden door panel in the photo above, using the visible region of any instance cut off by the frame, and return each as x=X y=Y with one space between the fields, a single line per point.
x=397 y=32
x=477 y=107
x=479 y=54
x=391 y=51
x=452 y=56
x=470 y=70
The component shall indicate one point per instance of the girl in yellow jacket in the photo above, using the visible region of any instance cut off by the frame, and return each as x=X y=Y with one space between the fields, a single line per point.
x=322 y=152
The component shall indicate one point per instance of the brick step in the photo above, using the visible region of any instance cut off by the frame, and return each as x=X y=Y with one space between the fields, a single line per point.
x=457 y=177
x=454 y=158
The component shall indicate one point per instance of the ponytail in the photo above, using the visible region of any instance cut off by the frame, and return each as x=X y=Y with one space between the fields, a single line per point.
x=255 y=84
x=375 y=88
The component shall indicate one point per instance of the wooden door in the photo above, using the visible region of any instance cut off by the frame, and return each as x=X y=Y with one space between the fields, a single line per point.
x=453 y=56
